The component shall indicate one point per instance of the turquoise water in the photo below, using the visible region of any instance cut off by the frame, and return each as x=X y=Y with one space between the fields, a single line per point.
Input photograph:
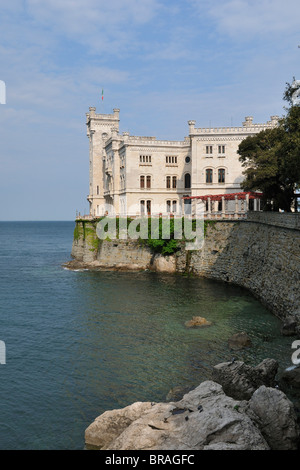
x=79 y=343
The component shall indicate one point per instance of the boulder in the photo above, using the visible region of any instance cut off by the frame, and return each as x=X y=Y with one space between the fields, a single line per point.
x=290 y=378
x=111 y=424
x=277 y=419
x=239 y=341
x=197 y=321
x=205 y=419
x=289 y=327
x=240 y=380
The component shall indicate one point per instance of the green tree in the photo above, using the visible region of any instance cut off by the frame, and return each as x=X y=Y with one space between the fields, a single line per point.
x=271 y=159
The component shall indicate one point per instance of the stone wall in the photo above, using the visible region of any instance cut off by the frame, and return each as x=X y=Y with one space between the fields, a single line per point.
x=263 y=258
x=286 y=220
x=261 y=254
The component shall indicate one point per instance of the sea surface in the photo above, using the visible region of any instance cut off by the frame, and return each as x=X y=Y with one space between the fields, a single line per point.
x=80 y=342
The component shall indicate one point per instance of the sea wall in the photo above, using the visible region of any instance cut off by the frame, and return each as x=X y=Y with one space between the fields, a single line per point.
x=261 y=253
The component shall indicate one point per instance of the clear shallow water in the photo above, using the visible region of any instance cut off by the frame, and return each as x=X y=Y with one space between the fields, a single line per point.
x=79 y=343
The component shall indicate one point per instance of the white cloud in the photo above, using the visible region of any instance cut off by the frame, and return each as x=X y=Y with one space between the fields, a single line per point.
x=100 y=24
x=253 y=17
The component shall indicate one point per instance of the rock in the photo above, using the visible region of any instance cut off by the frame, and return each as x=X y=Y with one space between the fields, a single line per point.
x=110 y=424
x=164 y=264
x=289 y=327
x=240 y=380
x=176 y=393
x=276 y=418
x=291 y=377
x=215 y=421
x=239 y=341
x=197 y=321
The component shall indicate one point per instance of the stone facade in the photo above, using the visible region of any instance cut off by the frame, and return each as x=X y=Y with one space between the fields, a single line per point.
x=132 y=175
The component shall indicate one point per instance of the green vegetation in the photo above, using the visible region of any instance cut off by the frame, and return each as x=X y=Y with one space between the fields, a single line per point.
x=272 y=160
x=165 y=244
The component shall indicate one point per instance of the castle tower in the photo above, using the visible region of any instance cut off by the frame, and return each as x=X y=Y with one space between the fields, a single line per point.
x=99 y=129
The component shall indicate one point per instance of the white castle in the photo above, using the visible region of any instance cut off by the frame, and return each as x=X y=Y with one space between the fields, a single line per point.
x=136 y=176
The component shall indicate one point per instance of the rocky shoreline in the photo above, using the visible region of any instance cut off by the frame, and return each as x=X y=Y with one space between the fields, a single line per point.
x=242 y=408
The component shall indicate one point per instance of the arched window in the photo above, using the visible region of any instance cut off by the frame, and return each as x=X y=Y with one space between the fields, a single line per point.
x=149 y=207
x=142 y=182
x=221 y=175
x=209 y=175
x=187 y=180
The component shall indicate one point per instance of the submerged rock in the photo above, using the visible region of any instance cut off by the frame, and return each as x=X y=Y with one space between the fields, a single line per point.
x=291 y=377
x=197 y=321
x=239 y=341
x=289 y=327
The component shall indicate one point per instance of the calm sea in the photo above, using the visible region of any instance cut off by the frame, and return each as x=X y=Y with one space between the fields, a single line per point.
x=79 y=343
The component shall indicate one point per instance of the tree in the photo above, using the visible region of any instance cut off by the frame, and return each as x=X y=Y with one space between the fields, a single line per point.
x=271 y=159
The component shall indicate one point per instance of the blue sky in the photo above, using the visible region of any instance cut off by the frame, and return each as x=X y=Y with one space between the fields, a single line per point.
x=161 y=62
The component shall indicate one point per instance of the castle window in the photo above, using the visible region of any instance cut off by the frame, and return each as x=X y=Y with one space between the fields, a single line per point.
x=168 y=206
x=221 y=148
x=209 y=149
x=142 y=182
x=171 y=160
x=97 y=190
x=209 y=175
x=145 y=159
x=168 y=182
x=221 y=175
x=174 y=208
x=148 y=182
x=187 y=180
x=142 y=207
x=174 y=182
x=187 y=159
x=148 y=207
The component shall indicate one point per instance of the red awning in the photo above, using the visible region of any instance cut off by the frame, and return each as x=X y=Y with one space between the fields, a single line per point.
x=227 y=197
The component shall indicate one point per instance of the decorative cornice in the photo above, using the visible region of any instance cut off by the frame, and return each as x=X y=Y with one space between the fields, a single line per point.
x=209 y=138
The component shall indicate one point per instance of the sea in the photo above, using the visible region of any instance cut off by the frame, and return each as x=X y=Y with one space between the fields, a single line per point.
x=78 y=343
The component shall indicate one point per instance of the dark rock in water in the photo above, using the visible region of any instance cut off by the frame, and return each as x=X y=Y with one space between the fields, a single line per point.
x=291 y=377
x=239 y=341
x=240 y=380
x=289 y=327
